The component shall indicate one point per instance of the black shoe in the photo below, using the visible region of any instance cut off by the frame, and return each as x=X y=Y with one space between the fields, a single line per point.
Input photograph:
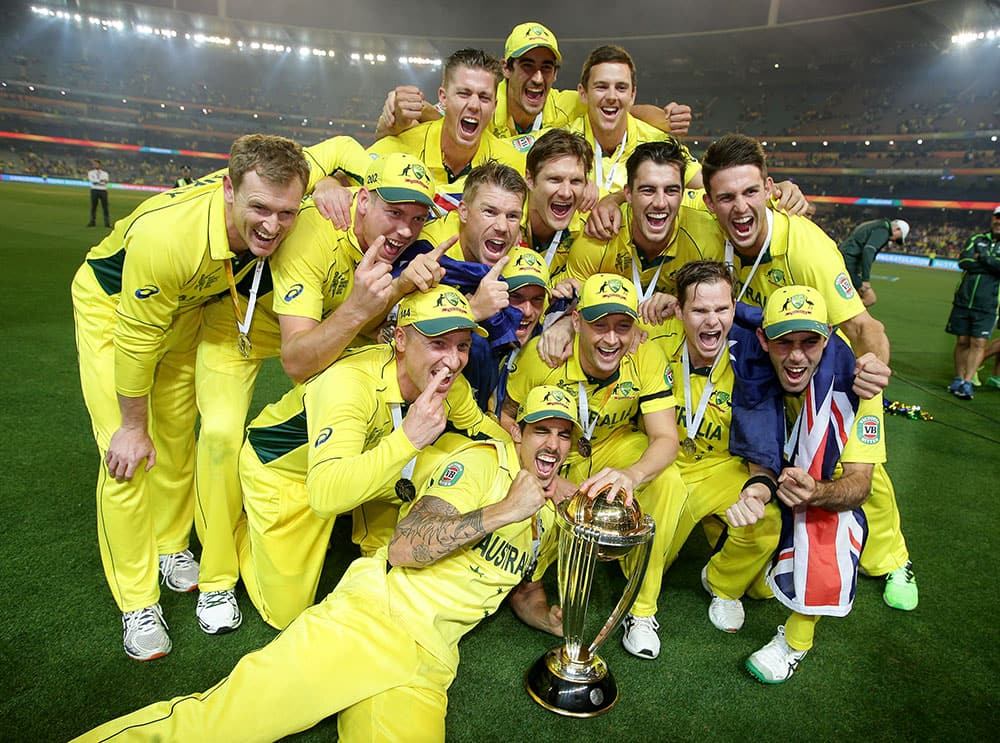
x=91 y=224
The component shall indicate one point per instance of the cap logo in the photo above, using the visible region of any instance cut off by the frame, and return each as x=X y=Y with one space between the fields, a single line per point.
x=613 y=286
x=527 y=259
x=555 y=396
x=417 y=171
x=449 y=297
x=798 y=301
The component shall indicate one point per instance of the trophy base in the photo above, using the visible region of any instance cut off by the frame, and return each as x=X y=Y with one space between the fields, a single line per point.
x=571 y=689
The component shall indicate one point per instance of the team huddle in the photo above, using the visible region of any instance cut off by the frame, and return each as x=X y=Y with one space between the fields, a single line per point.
x=511 y=296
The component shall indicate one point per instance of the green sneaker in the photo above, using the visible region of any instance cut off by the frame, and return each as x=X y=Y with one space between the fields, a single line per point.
x=993 y=381
x=975 y=380
x=901 y=588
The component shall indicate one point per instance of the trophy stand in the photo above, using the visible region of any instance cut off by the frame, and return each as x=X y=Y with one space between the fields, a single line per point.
x=571 y=679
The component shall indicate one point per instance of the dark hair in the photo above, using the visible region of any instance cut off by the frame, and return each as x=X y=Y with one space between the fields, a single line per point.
x=730 y=151
x=703 y=272
x=605 y=54
x=277 y=160
x=493 y=173
x=667 y=152
x=559 y=143
x=477 y=59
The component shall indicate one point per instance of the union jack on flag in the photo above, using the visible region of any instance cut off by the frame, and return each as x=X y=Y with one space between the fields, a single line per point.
x=815 y=569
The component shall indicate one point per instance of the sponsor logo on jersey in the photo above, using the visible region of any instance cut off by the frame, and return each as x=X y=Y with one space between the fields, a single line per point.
x=452 y=474
x=523 y=143
x=844 y=286
x=869 y=430
x=145 y=292
x=292 y=293
x=668 y=377
x=325 y=434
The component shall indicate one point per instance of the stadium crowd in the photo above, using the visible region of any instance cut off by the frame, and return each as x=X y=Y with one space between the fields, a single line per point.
x=512 y=296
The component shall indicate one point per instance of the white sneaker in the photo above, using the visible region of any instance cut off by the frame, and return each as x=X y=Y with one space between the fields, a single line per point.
x=775 y=662
x=218 y=612
x=179 y=571
x=145 y=633
x=640 y=636
x=725 y=614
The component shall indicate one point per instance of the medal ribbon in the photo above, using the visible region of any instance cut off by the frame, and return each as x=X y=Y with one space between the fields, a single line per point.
x=584 y=405
x=599 y=163
x=644 y=293
x=243 y=324
x=694 y=421
x=550 y=253
x=396 y=411
x=730 y=258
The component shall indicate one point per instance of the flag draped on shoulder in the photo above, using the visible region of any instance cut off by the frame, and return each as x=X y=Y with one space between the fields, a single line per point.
x=814 y=570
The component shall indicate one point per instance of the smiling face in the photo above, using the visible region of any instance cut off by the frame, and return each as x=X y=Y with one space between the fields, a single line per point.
x=490 y=223
x=259 y=213
x=400 y=224
x=738 y=197
x=995 y=225
x=469 y=99
x=544 y=447
x=795 y=357
x=530 y=300
x=608 y=96
x=555 y=193
x=420 y=356
x=655 y=195
x=604 y=342
x=529 y=80
x=707 y=315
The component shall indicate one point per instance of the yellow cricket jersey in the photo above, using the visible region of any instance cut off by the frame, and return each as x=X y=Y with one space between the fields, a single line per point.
x=313 y=273
x=638 y=133
x=866 y=443
x=561 y=107
x=712 y=439
x=562 y=239
x=441 y=602
x=336 y=430
x=639 y=386
x=424 y=142
x=692 y=230
x=176 y=247
x=801 y=253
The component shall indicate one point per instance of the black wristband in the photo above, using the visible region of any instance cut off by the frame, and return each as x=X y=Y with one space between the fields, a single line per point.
x=763 y=480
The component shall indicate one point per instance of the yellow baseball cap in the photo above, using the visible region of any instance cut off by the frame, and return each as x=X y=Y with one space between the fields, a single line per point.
x=400 y=178
x=548 y=401
x=795 y=308
x=606 y=294
x=437 y=311
x=526 y=37
x=525 y=267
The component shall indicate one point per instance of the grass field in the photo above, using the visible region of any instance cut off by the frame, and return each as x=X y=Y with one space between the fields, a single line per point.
x=878 y=674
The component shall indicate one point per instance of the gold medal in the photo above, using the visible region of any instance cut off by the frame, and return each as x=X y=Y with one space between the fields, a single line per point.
x=405 y=489
x=583 y=446
x=244 y=345
x=688 y=447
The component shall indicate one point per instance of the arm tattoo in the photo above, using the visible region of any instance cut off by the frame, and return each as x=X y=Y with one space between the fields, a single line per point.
x=435 y=528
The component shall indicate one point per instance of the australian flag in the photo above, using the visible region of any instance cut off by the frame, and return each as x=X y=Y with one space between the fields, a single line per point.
x=815 y=568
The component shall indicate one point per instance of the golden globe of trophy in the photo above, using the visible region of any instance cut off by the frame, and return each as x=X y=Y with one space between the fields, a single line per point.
x=572 y=679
